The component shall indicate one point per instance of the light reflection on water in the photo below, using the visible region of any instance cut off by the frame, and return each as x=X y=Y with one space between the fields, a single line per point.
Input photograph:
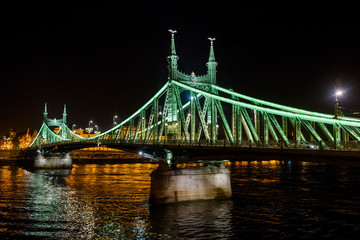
x=271 y=199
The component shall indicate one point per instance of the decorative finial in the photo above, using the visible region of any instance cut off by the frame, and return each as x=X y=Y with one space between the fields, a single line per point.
x=172 y=48
x=211 y=39
x=172 y=32
x=212 y=55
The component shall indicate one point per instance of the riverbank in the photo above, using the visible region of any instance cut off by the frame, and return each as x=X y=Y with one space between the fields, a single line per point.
x=9 y=154
x=80 y=156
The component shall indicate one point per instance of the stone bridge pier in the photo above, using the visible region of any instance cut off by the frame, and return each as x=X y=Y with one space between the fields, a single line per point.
x=188 y=184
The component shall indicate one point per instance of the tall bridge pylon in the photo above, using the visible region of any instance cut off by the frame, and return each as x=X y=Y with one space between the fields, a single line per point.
x=193 y=109
x=47 y=134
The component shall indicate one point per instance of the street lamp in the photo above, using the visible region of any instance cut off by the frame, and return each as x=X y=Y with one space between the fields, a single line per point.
x=89 y=129
x=73 y=126
x=97 y=130
x=114 y=120
x=337 y=94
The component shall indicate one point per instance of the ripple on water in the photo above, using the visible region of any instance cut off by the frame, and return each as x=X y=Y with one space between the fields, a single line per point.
x=271 y=200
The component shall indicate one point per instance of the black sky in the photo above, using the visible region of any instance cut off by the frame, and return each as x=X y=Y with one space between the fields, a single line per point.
x=110 y=58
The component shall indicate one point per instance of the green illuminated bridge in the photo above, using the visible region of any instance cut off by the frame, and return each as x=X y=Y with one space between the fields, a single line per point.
x=192 y=117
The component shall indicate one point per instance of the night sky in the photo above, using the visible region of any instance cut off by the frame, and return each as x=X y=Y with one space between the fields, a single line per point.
x=110 y=58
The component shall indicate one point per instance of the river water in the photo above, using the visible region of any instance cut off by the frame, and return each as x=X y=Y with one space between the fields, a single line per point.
x=271 y=200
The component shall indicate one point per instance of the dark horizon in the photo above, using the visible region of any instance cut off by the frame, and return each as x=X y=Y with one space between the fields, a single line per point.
x=110 y=59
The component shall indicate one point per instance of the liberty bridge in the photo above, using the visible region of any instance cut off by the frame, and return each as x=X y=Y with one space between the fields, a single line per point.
x=193 y=118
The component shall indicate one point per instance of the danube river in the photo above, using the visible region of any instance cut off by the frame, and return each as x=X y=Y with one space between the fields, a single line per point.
x=271 y=200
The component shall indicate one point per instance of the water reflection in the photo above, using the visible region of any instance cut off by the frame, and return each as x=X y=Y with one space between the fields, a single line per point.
x=271 y=200
x=53 y=208
x=212 y=220
x=53 y=172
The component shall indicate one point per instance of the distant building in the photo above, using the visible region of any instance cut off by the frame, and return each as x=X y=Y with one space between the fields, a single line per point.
x=14 y=142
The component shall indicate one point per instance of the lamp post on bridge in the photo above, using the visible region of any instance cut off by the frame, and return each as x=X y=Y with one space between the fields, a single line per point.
x=114 y=120
x=337 y=111
x=73 y=126
x=89 y=129
x=97 y=130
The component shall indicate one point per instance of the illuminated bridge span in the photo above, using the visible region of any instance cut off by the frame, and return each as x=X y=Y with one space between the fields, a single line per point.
x=193 y=115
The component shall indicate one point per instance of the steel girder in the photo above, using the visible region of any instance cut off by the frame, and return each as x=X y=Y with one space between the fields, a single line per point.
x=304 y=125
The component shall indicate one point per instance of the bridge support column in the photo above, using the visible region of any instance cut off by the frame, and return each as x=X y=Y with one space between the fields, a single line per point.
x=297 y=132
x=53 y=161
x=284 y=125
x=313 y=125
x=257 y=122
x=190 y=184
x=337 y=136
x=213 y=121
x=346 y=138
x=266 y=129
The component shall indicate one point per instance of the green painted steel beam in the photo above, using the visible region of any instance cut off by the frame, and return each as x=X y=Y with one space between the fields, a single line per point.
x=280 y=130
x=257 y=122
x=182 y=116
x=313 y=132
x=192 y=116
x=266 y=128
x=246 y=127
x=272 y=131
x=202 y=120
x=146 y=105
x=239 y=118
x=282 y=107
x=337 y=135
x=269 y=110
x=326 y=131
x=225 y=123
x=284 y=125
x=351 y=132
x=250 y=124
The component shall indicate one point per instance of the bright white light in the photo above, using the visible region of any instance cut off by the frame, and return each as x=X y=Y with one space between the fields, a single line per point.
x=189 y=114
x=140 y=153
x=339 y=93
x=192 y=98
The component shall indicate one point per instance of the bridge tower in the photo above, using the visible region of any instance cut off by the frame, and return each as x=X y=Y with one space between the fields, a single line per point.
x=64 y=114
x=172 y=126
x=211 y=74
x=211 y=64
x=45 y=112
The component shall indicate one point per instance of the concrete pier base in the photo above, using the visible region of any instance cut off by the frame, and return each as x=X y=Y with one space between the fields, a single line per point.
x=190 y=184
x=54 y=161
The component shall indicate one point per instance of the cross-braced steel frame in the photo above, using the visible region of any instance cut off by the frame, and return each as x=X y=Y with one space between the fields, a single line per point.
x=191 y=109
